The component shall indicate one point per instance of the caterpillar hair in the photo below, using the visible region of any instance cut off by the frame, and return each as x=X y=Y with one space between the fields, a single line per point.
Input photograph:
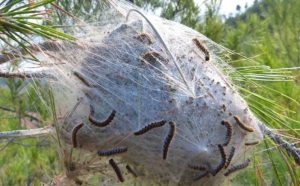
x=252 y=143
x=228 y=133
x=114 y=151
x=82 y=79
x=231 y=154
x=104 y=123
x=131 y=171
x=202 y=48
x=222 y=163
x=74 y=134
x=201 y=176
x=149 y=127
x=198 y=167
x=242 y=125
x=237 y=167
x=116 y=169
x=168 y=139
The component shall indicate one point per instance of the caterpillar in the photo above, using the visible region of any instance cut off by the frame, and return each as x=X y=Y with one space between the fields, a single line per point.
x=252 y=143
x=201 y=176
x=168 y=139
x=149 y=127
x=74 y=134
x=145 y=38
x=202 y=48
x=104 y=123
x=237 y=167
x=131 y=171
x=197 y=167
x=229 y=132
x=231 y=154
x=152 y=57
x=116 y=169
x=82 y=79
x=117 y=150
x=242 y=125
x=222 y=163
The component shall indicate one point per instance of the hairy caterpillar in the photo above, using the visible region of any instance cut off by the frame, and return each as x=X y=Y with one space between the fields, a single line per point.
x=197 y=167
x=117 y=150
x=131 y=171
x=229 y=132
x=237 y=167
x=149 y=127
x=152 y=57
x=74 y=134
x=242 y=125
x=168 y=139
x=82 y=79
x=201 y=176
x=145 y=38
x=223 y=161
x=202 y=48
x=104 y=123
x=116 y=169
x=231 y=154
x=252 y=143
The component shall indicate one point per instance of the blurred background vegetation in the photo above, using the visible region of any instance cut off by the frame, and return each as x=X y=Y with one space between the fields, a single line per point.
x=268 y=33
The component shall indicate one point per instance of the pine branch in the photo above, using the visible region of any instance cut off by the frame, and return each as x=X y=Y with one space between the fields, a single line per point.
x=38 y=132
x=291 y=149
x=26 y=115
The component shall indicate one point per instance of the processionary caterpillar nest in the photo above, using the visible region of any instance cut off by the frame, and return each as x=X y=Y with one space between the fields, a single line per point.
x=146 y=96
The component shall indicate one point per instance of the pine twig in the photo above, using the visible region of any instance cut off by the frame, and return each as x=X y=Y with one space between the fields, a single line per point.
x=27 y=75
x=291 y=149
x=29 y=133
x=26 y=115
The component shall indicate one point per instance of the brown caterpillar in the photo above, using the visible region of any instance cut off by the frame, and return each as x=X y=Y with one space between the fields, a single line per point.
x=117 y=150
x=116 y=169
x=131 y=171
x=202 y=48
x=237 y=167
x=242 y=125
x=82 y=79
x=231 y=154
x=152 y=57
x=145 y=38
x=198 y=167
x=74 y=134
x=168 y=139
x=149 y=127
x=104 y=123
x=222 y=163
x=229 y=132
x=201 y=176
x=252 y=143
